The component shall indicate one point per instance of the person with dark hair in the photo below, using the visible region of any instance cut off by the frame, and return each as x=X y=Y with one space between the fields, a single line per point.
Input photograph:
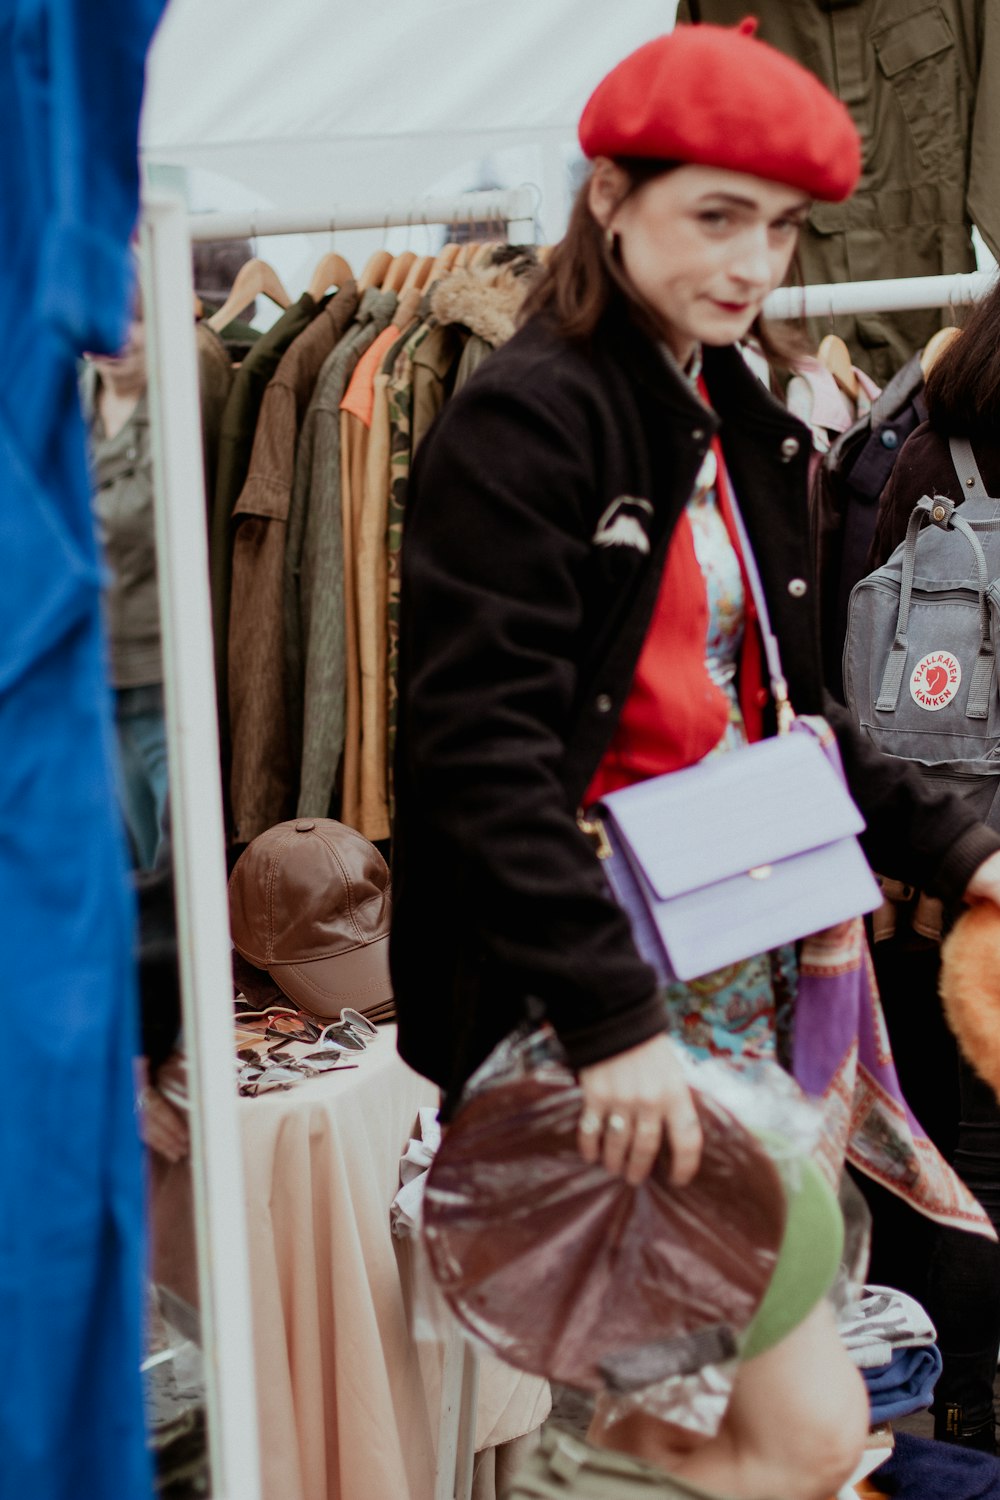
x=576 y=618
x=955 y=1276
x=962 y=391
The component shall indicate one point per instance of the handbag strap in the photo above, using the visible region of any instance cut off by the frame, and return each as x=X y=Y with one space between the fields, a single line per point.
x=775 y=671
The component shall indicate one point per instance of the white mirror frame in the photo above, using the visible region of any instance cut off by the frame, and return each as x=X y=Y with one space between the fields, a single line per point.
x=199 y=851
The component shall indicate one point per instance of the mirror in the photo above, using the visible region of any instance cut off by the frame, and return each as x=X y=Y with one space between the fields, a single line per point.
x=199 y=1369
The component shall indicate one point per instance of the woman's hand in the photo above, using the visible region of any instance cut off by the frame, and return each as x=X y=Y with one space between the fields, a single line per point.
x=161 y=1127
x=629 y=1101
x=985 y=883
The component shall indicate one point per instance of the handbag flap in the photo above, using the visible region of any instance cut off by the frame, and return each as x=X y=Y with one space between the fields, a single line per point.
x=733 y=813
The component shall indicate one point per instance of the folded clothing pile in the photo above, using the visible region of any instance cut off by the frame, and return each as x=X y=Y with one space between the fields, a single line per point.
x=892 y=1341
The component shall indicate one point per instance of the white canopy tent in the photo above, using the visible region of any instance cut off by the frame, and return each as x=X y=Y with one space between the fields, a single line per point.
x=312 y=105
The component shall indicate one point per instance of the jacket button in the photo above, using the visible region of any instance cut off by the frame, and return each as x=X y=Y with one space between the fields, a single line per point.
x=131 y=454
x=698 y=434
x=797 y=588
x=602 y=703
x=789 y=447
x=888 y=438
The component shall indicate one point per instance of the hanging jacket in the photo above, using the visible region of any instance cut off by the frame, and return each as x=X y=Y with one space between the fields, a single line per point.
x=519 y=636
x=263 y=780
x=922 y=83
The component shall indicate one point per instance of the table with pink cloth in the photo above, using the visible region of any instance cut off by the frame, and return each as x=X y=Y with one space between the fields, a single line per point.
x=349 y=1405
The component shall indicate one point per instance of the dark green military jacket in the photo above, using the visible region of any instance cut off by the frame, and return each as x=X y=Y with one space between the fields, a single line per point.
x=922 y=83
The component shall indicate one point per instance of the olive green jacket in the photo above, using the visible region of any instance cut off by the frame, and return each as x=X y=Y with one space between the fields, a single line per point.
x=922 y=83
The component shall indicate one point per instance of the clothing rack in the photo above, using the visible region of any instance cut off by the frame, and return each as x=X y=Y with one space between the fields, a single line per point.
x=196 y=805
x=516 y=208
x=905 y=294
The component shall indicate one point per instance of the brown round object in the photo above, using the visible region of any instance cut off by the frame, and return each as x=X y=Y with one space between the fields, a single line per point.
x=555 y=1264
x=309 y=903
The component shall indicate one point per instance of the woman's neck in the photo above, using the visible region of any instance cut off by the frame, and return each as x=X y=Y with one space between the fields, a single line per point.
x=116 y=402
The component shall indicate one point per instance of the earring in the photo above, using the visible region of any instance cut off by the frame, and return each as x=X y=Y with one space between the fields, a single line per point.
x=609 y=238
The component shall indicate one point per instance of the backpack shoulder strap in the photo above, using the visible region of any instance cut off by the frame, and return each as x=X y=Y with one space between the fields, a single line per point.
x=967 y=469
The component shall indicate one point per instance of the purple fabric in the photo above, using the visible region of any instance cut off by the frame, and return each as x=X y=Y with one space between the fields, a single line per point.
x=841 y=1055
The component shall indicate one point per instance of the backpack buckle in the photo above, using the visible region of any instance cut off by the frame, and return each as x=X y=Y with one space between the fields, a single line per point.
x=941 y=509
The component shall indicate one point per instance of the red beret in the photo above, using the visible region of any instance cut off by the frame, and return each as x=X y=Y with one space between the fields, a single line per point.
x=719 y=97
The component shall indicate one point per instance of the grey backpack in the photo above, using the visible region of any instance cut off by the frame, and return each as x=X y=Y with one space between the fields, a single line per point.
x=920 y=654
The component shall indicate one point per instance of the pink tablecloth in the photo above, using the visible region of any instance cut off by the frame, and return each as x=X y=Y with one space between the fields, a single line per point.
x=346 y=1412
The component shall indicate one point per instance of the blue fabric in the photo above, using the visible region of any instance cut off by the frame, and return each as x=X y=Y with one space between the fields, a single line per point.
x=904 y=1385
x=921 y=1469
x=70 y=1168
x=142 y=748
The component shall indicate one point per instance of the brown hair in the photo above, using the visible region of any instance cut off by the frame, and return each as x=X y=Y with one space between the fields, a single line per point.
x=963 y=384
x=584 y=272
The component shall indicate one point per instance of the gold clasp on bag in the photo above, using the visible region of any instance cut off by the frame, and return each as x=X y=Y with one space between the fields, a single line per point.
x=595 y=831
x=783 y=708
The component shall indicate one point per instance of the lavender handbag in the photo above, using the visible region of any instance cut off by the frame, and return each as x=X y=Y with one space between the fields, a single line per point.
x=742 y=852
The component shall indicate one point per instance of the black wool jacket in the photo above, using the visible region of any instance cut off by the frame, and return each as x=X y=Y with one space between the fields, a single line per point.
x=540 y=511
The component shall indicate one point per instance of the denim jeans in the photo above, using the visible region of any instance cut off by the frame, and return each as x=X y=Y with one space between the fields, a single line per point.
x=142 y=748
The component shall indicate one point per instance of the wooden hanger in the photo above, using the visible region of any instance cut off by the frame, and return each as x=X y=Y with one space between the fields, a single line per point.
x=836 y=356
x=543 y=252
x=935 y=347
x=332 y=270
x=468 y=253
x=255 y=279
x=417 y=274
x=395 y=277
x=444 y=262
x=407 y=307
x=483 y=256
x=375 y=270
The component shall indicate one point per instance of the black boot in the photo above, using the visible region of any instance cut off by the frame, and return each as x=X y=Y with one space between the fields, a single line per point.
x=963 y=1401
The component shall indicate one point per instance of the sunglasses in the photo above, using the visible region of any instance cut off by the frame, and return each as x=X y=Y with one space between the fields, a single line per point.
x=279 y=1021
x=280 y=1070
x=352 y=1032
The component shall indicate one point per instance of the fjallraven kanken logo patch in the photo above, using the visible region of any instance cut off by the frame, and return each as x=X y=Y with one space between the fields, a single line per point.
x=623 y=524
x=935 y=680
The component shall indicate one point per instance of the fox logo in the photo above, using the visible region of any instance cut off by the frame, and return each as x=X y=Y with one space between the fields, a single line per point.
x=621 y=525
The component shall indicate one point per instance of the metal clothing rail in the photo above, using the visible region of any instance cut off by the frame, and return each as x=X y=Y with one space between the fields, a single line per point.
x=197 y=820
x=903 y=294
x=199 y=853
x=516 y=208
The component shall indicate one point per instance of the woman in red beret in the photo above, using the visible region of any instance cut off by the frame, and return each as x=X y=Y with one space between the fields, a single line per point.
x=574 y=618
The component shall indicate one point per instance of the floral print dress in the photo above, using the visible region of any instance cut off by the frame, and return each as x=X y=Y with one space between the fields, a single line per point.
x=745 y=1008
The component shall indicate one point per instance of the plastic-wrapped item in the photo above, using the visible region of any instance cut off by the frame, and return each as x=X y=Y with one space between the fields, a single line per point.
x=565 y=1270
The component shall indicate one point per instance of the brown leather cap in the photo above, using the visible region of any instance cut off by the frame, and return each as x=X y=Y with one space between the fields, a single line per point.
x=309 y=902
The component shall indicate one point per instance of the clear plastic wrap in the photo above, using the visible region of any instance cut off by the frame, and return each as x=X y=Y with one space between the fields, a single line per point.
x=563 y=1269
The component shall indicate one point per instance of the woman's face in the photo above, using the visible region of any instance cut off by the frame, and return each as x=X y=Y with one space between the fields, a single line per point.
x=703 y=245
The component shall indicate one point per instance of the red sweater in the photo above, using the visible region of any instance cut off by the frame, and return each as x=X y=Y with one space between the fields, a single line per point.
x=675 y=714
